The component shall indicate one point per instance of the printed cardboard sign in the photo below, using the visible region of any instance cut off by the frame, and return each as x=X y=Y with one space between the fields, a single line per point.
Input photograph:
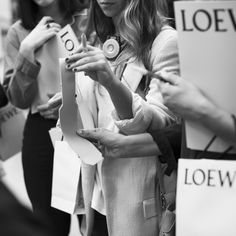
x=206 y=38
x=12 y=121
x=74 y=117
x=206 y=193
x=62 y=45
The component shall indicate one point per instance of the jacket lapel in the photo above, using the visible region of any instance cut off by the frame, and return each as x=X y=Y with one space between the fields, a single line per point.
x=133 y=74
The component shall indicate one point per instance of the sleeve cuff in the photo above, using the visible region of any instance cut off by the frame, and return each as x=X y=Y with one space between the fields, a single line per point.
x=29 y=68
x=141 y=120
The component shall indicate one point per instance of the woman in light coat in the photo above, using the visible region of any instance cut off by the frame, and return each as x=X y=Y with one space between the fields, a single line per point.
x=122 y=195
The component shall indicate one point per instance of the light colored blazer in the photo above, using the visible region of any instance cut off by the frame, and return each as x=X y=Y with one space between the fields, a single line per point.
x=130 y=190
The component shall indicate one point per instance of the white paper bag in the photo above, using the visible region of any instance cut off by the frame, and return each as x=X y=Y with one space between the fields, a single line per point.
x=12 y=121
x=66 y=189
x=206 y=198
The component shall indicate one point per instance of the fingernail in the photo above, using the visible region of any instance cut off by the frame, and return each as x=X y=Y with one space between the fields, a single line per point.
x=68 y=67
x=67 y=59
x=75 y=70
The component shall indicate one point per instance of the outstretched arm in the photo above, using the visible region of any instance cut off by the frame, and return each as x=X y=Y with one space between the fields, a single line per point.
x=191 y=103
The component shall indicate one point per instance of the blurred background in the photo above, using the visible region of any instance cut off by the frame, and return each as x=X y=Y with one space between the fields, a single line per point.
x=13 y=166
x=7 y=17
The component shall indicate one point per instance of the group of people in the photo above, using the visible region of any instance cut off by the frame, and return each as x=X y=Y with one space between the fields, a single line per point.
x=135 y=96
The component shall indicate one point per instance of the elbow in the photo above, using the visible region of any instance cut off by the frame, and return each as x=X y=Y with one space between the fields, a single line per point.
x=21 y=105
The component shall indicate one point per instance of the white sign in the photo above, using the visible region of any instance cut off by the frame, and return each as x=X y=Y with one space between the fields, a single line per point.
x=62 y=45
x=207 y=36
x=206 y=193
x=74 y=117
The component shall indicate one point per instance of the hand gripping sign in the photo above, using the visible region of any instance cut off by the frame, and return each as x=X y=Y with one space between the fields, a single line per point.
x=72 y=116
x=210 y=64
x=71 y=119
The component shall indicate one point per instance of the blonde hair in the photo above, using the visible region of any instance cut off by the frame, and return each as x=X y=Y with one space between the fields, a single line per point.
x=140 y=22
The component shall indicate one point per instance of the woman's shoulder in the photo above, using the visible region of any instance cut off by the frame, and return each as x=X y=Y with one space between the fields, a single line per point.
x=167 y=38
x=16 y=31
x=17 y=27
x=164 y=52
x=166 y=34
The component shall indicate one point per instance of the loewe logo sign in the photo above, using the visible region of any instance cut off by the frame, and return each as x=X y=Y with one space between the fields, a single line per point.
x=68 y=39
x=210 y=177
x=203 y=20
x=204 y=16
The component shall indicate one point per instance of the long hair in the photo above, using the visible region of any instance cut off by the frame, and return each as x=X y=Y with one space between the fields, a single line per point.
x=28 y=10
x=140 y=23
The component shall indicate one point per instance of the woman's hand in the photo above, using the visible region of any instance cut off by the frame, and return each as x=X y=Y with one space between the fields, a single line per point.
x=109 y=143
x=114 y=145
x=191 y=103
x=38 y=36
x=183 y=97
x=93 y=63
x=50 y=110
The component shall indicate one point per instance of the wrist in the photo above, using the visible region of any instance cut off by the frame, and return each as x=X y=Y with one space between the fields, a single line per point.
x=27 y=50
x=25 y=46
x=205 y=110
x=126 y=144
x=110 y=82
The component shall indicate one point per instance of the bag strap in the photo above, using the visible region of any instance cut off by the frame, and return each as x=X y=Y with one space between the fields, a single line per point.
x=159 y=179
x=167 y=187
x=166 y=150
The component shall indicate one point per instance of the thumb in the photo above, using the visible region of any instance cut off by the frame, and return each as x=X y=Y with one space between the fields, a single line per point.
x=91 y=135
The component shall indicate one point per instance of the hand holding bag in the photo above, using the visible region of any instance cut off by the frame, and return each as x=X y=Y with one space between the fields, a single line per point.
x=66 y=184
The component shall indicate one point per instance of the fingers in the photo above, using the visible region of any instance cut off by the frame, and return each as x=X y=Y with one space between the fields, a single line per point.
x=94 y=135
x=49 y=113
x=45 y=20
x=47 y=108
x=51 y=33
x=169 y=77
x=83 y=61
x=54 y=26
x=50 y=116
x=89 y=67
x=55 y=100
x=79 y=54
x=42 y=108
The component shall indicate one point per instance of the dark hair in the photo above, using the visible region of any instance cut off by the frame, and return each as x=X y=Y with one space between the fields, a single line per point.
x=138 y=27
x=99 y=22
x=28 y=10
x=3 y=97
